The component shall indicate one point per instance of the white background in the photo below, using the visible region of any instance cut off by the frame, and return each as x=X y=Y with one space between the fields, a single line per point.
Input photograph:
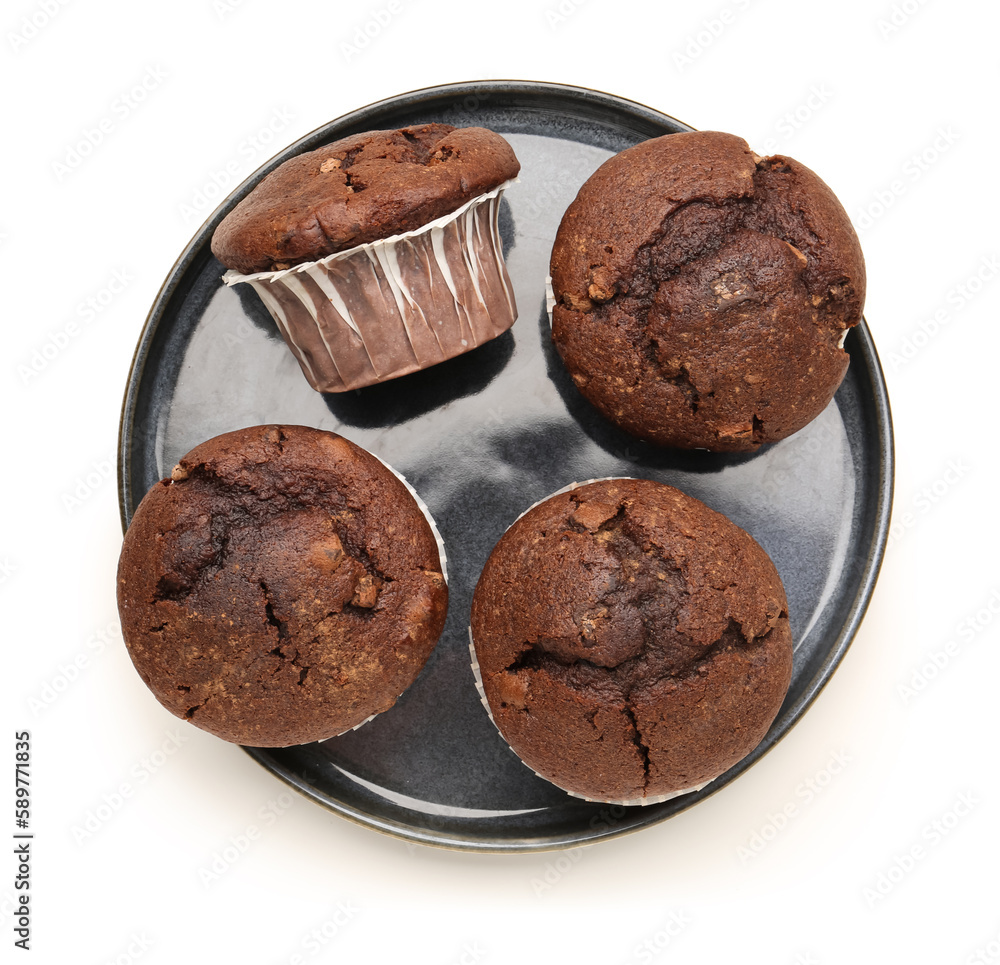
x=894 y=857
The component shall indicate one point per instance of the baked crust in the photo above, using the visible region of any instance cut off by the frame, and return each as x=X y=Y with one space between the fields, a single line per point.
x=702 y=293
x=281 y=587
x=632 y=642
x=360 y=189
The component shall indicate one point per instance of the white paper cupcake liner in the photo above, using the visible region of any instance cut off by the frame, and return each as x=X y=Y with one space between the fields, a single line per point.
x=477 y=673
x=393 y=306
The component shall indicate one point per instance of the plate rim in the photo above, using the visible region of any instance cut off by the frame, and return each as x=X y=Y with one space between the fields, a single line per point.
x=861 y=346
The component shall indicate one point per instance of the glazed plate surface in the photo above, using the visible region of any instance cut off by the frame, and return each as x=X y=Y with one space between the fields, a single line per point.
x=483 y=436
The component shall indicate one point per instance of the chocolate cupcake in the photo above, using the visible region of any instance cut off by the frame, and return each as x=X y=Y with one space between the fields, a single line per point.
x=632 y=644
x=702 y=294
x=281 y=587
x=378 y=254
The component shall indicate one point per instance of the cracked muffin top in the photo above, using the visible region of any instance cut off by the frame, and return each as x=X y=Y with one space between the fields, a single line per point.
x=702 y=293
x=360 y=189
x=632 y=643
x=281 y=587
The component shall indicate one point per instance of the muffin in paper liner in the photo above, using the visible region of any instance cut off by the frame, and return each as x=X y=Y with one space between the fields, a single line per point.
x=633 y=802
x=768 y=680
x=757 y=274
x=397 y=305
x=232 y=569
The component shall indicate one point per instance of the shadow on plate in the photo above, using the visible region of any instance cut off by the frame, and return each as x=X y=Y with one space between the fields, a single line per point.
x=505 y=227
x=256 y=312
x=409 y=396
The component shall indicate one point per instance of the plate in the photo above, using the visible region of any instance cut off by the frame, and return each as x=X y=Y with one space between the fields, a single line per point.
x=483 y=436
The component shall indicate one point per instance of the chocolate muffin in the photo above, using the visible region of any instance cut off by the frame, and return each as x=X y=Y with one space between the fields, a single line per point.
x=281 y=587
x=379 y=254
x=703 y=293
x=360 y=189
x=632 y=643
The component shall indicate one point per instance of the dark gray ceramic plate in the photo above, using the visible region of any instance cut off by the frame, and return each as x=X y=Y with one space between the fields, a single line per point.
x=483 y=436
